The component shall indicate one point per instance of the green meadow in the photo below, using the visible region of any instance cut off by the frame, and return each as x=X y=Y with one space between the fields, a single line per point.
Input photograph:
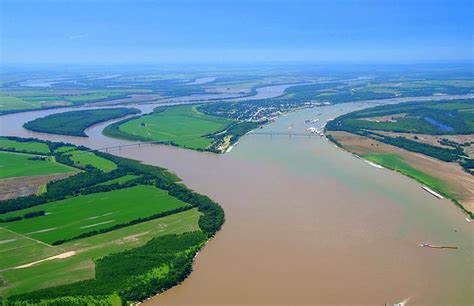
x=71 y=217
x=120 y=180
x=19 y=249
x=19 y=164
x=182 y=125
x=29 y=146
x=8 y=103
x=80 y=266
x=90 y=159
x=63 y=149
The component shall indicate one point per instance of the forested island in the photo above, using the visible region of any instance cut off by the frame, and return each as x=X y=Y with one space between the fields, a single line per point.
x=75 y=123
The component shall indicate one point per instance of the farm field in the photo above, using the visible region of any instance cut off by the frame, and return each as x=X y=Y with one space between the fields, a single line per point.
x=30 y=146
x=90 y=159
x=19 y=164
x=13 y=103
x=26 y=185
x=120 y=180
x=71 y=217
x=17 y=98
x=75 y=123
x=63 y=149
x=181 y=125
x=90 y=237
x=81 y=265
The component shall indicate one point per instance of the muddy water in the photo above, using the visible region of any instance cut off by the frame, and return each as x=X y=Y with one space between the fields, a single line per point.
x=309 y=224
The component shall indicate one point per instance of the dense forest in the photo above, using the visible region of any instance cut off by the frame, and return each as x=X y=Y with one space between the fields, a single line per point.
x=75 y=123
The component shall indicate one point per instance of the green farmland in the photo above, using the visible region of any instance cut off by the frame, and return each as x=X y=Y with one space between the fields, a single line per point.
x=18 y=164
x=120 y=180
x=115 y=233
x=13 y=103
x=81 y=265
x=181 y=125
x=71 y=217
x=21 y=146
x=90 y=159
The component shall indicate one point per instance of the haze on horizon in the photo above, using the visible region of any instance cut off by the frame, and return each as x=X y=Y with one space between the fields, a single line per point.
x=176 y=31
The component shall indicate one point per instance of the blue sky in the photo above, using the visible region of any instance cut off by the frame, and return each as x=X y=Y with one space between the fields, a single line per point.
x=137 y=31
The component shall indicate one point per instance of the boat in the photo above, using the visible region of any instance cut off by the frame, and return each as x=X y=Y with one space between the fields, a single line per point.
x=432 y=192
x=437 y=246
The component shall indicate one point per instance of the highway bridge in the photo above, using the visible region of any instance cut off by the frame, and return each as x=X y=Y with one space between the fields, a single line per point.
x=144 y=143
x=288 y=134
x=123 y=146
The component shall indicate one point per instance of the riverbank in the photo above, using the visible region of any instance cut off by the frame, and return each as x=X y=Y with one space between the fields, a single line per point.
x=393 y=136
x=449 y=179
x=309 y=205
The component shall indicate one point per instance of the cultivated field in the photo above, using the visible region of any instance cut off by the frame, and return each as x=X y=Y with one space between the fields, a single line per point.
x=114 y=232
x=25 y=185
x=30 y=146
x=90 y=159
x=120 y=180
x=74 y=216
x=18 y=250
x=181 y=125
x=19 y=164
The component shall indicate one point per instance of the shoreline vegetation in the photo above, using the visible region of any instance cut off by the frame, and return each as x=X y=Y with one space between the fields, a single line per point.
x=74 y=123
x=367 y=142
x=124 y=274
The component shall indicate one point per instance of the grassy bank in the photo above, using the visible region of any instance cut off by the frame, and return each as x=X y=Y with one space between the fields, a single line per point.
x=395 y=162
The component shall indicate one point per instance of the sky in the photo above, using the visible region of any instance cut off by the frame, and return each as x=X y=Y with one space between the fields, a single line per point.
x=219 y=31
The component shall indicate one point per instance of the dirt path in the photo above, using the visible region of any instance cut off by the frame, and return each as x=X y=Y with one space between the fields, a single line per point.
x=60 y=256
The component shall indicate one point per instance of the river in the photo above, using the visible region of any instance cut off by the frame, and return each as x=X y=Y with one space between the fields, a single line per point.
x=307 y=223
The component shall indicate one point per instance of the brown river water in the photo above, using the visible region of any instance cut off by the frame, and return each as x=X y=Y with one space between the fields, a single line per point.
x=307 y=223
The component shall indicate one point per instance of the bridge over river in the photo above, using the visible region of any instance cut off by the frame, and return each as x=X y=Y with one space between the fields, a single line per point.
x=144 y=143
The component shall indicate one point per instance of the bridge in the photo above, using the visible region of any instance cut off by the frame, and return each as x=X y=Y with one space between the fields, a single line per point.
x=289 y=134
x=144 y=143
x=124 y=146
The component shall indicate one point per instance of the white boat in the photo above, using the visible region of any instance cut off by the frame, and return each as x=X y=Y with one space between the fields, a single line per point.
x=432 y=192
